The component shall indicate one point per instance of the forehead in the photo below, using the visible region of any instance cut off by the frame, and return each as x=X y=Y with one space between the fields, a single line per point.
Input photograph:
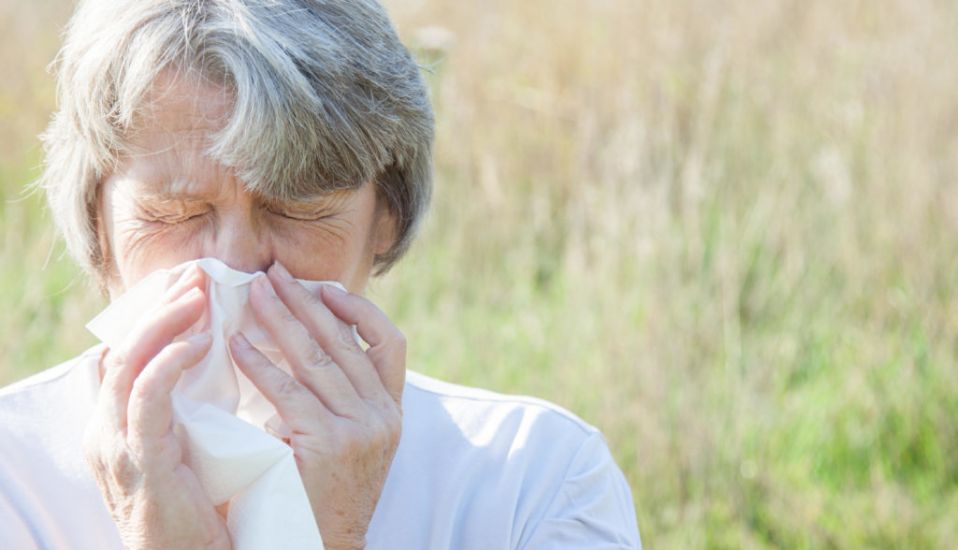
x=165 y=147
x=181 y=103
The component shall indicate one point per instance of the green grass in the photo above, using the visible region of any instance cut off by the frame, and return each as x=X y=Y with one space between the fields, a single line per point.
x=727 y=237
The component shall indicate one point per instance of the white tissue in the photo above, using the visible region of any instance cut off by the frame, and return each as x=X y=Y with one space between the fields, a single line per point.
x=220 y=415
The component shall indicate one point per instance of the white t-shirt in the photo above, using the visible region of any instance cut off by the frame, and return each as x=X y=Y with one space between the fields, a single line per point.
x=474 y=469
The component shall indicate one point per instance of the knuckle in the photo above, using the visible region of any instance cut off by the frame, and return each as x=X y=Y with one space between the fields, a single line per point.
x=142 y=390
x=170 y=451
x=311 y=299
x=318 y=358
x=116 y=358
x=286 y=316
x=114 y=452
x=170 y=351
x=274 y=300
x=289 y=387
x=120 y=466
x=123 y=472
x=345 y=338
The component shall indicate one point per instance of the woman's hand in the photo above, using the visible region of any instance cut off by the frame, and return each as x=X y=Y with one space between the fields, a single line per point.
x=342 y=404
x=155 y=500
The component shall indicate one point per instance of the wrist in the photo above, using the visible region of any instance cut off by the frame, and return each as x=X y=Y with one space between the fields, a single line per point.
x=349 y=542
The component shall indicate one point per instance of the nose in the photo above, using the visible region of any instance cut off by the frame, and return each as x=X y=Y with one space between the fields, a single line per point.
x=240 y=242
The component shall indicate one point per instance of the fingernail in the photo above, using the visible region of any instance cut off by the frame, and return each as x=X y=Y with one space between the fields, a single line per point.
x=282 y=272
x=182 y=280
x=334 y=290
x=265 y=285
x=240 y=341
x=186 y=272
x=193 y=293
x=200 y=339
x=190 y=274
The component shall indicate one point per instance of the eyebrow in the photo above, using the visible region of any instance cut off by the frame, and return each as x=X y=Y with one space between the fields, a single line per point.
x=329 y=199
x=159 y=191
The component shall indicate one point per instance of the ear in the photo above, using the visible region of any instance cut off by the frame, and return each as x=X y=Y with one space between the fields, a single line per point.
x=386 y=227
x=103 y=255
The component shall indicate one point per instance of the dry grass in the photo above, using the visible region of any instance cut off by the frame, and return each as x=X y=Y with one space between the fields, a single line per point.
x=725 y=233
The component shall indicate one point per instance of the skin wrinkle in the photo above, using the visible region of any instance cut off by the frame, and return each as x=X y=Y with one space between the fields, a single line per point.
x=323 y=97
x=188 y=130
x=170 y=202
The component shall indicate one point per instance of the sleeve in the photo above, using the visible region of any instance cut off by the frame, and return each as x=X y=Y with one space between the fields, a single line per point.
x=593 y=507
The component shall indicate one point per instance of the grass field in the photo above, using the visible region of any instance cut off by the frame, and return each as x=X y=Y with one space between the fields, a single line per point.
x=726 y=233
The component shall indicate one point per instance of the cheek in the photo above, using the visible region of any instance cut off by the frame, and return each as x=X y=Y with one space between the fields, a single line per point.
x=336 y=248
x=138 y=246
x=333 y=249
x=322 y=250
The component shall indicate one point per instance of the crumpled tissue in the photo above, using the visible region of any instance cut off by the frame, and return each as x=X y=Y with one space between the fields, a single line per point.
x=222 y=418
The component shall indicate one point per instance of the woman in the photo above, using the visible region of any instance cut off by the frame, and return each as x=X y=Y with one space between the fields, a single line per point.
x=291 y=137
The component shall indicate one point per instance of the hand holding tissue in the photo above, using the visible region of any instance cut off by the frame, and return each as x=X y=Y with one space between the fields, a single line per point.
x=184 y=451
x=220 y=418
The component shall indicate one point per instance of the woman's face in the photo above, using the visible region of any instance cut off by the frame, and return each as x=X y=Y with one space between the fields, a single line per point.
x=170 y=203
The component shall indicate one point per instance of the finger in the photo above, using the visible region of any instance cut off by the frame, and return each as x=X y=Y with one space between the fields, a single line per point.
x=334 y=336
x=146 y=340
x=150 y=410
x=294 y=402
x=191 y=277
x=387 y=344
x=310 y=364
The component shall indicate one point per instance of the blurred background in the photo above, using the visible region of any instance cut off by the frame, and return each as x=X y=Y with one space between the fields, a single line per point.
x=725 y=233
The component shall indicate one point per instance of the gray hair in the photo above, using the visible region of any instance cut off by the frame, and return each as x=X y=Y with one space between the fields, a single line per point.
x=325 y=97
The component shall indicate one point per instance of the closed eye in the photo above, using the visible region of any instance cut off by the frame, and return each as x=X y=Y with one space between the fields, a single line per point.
x=300 y=216
x=176 y=219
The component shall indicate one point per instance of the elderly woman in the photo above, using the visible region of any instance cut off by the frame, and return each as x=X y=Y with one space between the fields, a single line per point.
x=291 y=137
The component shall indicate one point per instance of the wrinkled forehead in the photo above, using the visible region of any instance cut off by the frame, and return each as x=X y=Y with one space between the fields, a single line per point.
x=181 y=104
x=174 y=127
x=166 y=147
x=169 y=147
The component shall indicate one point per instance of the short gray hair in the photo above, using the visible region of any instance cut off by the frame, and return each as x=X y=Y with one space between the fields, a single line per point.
x=325 y=97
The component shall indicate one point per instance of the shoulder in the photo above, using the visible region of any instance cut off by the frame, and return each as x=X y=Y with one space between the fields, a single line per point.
x=50 y=376
x=42 y=414
x=29 y=401
x=513 y=469
x=47 y=497
x=490 y=428
x=475 y=409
